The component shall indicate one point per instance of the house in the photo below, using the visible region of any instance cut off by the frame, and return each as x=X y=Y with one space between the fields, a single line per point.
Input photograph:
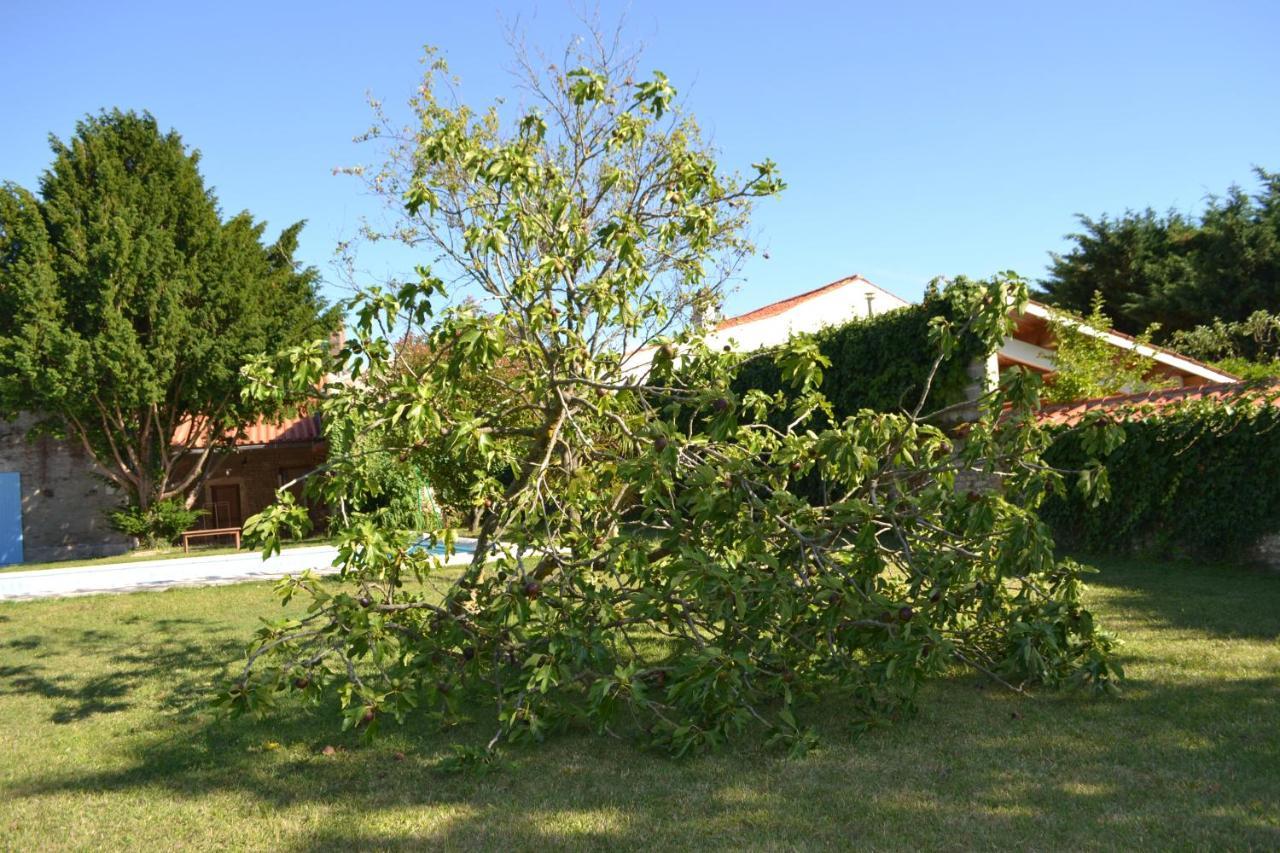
x=52 y=505
x=1031 y=345
x=834 y=304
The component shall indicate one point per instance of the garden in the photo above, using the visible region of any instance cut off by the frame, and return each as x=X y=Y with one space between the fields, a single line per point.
x=107 y=740
x=848 y=590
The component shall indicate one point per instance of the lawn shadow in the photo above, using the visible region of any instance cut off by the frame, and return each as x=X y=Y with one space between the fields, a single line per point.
x=183 y=663
x=1224 y=601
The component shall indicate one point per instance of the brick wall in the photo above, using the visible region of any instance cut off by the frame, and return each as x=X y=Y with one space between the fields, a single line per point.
x=258 y=472
x=63 y=503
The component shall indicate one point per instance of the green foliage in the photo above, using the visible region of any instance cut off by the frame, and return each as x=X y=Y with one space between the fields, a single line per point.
x=1087 y=366
x=369 y=480
x=1173 y=271
x=1249 y=371
x=128 y=306
x=159 y=524
x=461 y=484
x=1249 y=348
x=882 y=362
x=655 y=574
x=1197 y=477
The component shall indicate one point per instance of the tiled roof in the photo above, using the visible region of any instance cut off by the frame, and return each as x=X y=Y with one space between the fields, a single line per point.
x=1132 y=339
x=1148 y=402
x=301 y=429
x=775 y=308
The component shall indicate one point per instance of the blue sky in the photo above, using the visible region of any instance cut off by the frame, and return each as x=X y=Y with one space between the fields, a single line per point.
x=918 y=139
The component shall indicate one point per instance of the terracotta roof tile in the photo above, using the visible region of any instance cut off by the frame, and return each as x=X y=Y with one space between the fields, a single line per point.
x=775 y=308
x=301 y=429
x=298 y=430
x=1148 y=402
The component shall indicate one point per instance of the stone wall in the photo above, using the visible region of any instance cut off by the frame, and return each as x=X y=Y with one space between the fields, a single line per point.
x=64 y=504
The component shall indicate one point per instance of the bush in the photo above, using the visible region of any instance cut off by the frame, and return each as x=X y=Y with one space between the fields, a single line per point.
x=1249 y=348
x=159 y=524
x=368 y=478
x=1198 y=478
x=880 y=363
x=1255 y=339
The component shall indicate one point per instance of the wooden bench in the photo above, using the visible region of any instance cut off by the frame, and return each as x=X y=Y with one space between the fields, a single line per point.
x=216 y=531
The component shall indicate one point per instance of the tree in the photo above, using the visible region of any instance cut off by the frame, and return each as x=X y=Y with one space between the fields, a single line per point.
x=457 y=483
x=128 y=306
x=655 y=574
x=1175 y=272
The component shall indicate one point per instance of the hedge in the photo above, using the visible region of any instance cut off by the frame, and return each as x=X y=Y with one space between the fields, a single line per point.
x=879 y=363
x=1201 y=478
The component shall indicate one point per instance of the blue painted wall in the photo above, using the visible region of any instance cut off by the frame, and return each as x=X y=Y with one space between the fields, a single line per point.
x=10 y=517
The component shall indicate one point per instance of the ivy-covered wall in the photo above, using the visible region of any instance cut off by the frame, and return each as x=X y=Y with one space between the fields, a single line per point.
x=879 y=363
x=1203 y=479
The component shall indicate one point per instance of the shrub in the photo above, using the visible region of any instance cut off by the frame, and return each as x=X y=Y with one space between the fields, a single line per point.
x=1249 y=348
x=1198 y=477
x=159 y=524
x=368 y=478
x=1255 y=339
x=880 y=363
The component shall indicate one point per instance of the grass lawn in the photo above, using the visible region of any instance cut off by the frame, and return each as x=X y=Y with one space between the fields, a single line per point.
x=105 y=743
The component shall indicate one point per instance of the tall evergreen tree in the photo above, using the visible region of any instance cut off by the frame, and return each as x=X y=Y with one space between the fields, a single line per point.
x=1174 y=270
x=128 y=305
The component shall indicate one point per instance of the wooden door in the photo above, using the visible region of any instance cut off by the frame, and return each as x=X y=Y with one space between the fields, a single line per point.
x=224 y=506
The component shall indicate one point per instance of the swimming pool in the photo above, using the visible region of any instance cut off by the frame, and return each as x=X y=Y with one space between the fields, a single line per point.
x=460 y=546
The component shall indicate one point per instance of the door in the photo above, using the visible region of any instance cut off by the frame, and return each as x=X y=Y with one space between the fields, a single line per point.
x=224 y=506
x=10 y=517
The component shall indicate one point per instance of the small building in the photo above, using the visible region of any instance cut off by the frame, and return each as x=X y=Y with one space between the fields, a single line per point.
x=1031 y=347
x=266 y=457
x=834 y=304
x=53 y=506
x=850 y=298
